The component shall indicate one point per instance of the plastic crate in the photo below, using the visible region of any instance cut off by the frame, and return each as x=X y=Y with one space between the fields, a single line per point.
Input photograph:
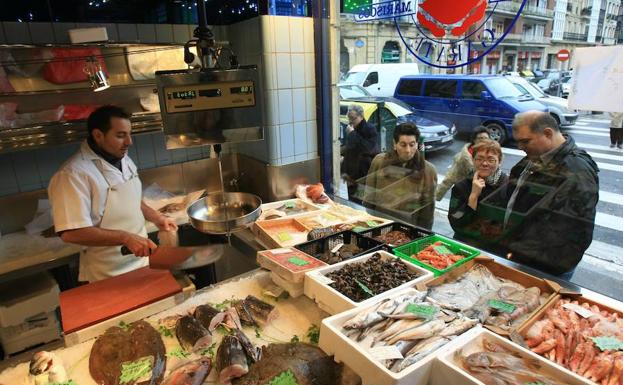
x=322 y=245
x=405 y=252
x=413 y=232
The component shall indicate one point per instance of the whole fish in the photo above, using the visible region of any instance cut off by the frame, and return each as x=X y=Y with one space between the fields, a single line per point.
x=458 y=327
x=191 y=334
x=525 y=301
x=190 y=373
x=467 y=290
x=378 y=313
x=420 y=351
x=425 y=330
x=231 y=360
x=397 y=327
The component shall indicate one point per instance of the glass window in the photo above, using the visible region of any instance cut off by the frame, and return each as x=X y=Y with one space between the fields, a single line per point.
x=372 y=78
x=472 y=89
x=410 y=87
x=502 y=88
x=440 y=88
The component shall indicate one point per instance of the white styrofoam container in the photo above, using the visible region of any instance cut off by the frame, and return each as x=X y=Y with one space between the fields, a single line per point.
x=333 y=302
x=334 y=342
x=19 y=337
x=452 y=366
x=25 y=297
x=273 y=205
x=294 y=289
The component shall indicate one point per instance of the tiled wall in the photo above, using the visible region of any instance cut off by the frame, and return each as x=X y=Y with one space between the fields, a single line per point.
x=31 y=170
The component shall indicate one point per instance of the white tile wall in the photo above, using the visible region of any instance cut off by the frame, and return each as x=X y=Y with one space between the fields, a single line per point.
x=300 y=138
x=285 y=106
x=312 y=138
x=286 y=137
x=299 y=105
x=310 y=100
x=298 y=70
x=297 y=39
x=310 y=70
x=284 y=70
x=282 y=33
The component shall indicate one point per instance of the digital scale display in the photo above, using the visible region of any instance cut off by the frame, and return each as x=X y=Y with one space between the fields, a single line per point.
x=211 y=93
x=242 y=90
x=189 y=94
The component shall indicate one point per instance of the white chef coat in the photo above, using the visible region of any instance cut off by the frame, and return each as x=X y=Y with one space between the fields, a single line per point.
x=79 y=189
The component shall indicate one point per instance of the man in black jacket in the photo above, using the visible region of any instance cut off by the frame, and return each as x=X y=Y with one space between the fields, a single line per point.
x=360 y=146
x=557 y=186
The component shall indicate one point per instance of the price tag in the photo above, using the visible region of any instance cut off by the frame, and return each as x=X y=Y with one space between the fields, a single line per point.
x=423 y=311
x=443 y=250
x=372 y=223
x=70 y=382
x=329 y=217
x=284 y=378
x=390 y=352
x=582 y=311
x=136 y=371
x=337 y=248
x=289 y=205
x=359 y=229
x=608 y=343
x=284 y=237
x=281 y=251
x=298 y=261
x=534 y=383
x=501 y=306
x=323 y=279
x=365 y=288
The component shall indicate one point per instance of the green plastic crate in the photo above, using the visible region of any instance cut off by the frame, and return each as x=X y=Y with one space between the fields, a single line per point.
x=405 y=252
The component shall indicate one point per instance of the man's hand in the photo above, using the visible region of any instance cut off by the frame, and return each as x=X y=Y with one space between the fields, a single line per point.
x=477 y=184
x=350 y=129
x=165 y=223
x=139 y=246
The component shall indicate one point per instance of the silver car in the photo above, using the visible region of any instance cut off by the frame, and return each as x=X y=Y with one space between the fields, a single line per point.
x=557 y=106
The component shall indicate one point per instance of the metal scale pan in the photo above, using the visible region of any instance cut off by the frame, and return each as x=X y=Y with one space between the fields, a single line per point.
x=223 y=213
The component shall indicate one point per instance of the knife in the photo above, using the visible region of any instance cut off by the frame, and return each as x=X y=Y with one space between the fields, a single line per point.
x=180 y=258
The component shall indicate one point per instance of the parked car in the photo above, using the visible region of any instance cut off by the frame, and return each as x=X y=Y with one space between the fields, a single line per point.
x=558 y=107
x=550 y=86
x=386 y=113
x=380 y=79
x=467 y=101
x=348 y=91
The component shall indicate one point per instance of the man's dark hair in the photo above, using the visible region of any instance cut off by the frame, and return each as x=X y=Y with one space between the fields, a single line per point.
x=408 y=129
x=100 y=118
x=477 y=131
x=536 y=121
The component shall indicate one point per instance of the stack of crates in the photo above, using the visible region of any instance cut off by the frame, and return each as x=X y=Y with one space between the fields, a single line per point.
x=28 y=312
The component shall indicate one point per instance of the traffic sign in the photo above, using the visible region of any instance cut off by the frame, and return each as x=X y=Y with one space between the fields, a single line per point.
x=563 y=55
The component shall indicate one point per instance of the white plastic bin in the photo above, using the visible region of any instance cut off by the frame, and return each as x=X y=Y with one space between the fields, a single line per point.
x=25 y=297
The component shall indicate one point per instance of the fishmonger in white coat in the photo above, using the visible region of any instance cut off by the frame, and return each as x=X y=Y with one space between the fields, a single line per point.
x=97 y=200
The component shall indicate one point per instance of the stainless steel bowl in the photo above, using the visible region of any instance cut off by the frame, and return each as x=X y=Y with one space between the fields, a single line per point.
x=219 y=213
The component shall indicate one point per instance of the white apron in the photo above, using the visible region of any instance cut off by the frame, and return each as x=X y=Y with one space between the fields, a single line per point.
x=122 y=212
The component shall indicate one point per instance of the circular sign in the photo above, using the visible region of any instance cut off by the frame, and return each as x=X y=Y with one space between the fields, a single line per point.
x=563 y=55
x=359 y=43
x=451 y=34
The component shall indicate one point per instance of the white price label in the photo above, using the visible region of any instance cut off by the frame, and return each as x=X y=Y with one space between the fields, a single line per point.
x=386 y=353
x=337 y=248
x=322 y=279
x=281 y=251
x=582 y=311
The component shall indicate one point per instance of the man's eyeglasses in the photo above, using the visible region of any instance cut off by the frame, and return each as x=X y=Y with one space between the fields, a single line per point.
x=488 y=160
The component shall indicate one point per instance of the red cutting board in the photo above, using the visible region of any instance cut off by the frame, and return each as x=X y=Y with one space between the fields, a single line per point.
x=98 y=301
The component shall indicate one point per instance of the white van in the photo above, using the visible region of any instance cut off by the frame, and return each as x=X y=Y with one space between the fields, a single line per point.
x=379 y=79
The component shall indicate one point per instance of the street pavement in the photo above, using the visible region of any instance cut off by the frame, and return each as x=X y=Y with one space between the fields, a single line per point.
x=601 y=268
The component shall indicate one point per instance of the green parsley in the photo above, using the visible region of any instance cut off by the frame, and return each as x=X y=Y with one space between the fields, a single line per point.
x=313 y=333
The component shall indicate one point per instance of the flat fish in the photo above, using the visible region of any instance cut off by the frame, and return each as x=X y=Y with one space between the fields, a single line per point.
x=231 y=360
x=309 y=366
x=117 y=346
x=205 y=314
x=190 y=373
x=191 y=335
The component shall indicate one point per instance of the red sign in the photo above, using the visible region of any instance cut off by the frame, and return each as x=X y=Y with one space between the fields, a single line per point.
x=563 y=55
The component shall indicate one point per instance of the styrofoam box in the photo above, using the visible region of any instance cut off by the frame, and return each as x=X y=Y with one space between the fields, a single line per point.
x=294 y=289
x=24 y=297
x=425 y=372
x=17 y=338
x=452 y=366
x=273 y=205
x=332 y=301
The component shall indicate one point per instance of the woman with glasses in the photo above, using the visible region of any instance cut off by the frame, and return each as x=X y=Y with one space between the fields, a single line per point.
x=467 y=194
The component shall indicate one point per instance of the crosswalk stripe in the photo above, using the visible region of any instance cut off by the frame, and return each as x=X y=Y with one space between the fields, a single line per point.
x=595 y=129
x=578 y=132
x=597 y=155
x=609 y=197
x=578 y=123
x=597 y=147
x=610 y=221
